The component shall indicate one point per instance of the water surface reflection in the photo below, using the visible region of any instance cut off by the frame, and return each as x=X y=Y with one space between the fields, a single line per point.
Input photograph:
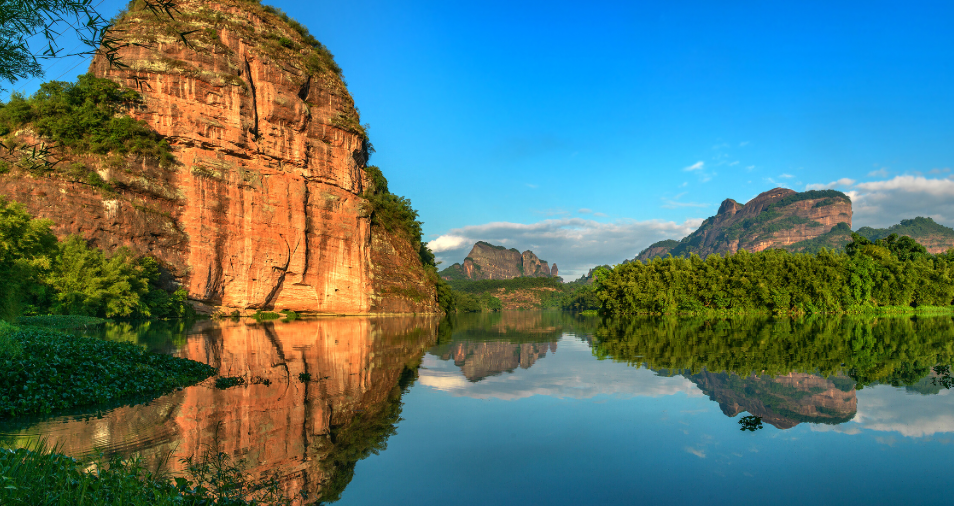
x=556 y=399
x=319 y=395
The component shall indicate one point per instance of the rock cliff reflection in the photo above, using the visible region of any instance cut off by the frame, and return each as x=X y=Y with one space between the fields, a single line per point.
x=310 y=433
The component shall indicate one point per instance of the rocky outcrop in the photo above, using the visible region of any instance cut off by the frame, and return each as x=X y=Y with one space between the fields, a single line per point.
x=774 y=219
x=783 y=401
x=308 y=430
x=486 y=261
x=263 y=207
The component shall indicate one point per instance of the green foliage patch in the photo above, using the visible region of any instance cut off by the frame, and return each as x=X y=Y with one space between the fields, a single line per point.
x=86 y=117
x=70 y=277
x=37 y=475
x=56 y=371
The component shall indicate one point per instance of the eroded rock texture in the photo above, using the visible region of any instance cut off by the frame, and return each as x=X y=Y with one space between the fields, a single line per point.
x=263 y=208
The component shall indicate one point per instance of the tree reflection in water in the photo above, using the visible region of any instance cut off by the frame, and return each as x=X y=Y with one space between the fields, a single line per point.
x=750 y=423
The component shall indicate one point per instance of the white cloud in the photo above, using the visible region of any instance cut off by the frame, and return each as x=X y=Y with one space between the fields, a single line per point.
x=674 y=204
x=879 y=173
x=696 y=166
x=698 y=453
x=447 y=242
x=733 y=163
x=939 y=171
x=743 y=144
x=885 y=203
x=585 y=211
x=786 y=176
x=575 y=244
x=841 y=183
x=913 y=184
x=750 y=167
x=888 y=409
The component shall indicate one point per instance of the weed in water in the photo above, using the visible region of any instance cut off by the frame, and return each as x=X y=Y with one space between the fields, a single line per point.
x=56 y=371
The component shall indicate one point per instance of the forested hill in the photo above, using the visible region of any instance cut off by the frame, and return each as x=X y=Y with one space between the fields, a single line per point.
x=936 y=238
x=777 y=218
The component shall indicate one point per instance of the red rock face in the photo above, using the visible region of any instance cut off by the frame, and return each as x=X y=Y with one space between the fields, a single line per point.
x=264 y=207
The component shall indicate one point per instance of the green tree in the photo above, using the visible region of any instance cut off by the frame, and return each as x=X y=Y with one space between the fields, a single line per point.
x=86 y=281
x=27 y=247
x=31 y=30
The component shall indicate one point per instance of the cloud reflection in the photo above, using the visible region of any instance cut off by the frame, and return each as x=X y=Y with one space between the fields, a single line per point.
x=571 y=373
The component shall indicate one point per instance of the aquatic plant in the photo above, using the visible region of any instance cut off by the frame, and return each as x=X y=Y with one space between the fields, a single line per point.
x=56 y=371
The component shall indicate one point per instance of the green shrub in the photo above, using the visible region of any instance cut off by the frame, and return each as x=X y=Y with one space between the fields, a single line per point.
x=27 y=250
x=395 y=214
x=262 y=316
x=86 y=116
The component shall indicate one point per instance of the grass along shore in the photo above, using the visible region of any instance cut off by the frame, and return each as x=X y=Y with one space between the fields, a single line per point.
x=40 y=476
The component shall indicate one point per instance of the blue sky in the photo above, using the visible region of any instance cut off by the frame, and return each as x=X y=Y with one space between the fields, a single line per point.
x=586 y=131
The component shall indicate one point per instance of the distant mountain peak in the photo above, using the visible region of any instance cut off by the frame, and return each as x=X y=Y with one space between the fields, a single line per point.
x=489 y=261
x=776 y=218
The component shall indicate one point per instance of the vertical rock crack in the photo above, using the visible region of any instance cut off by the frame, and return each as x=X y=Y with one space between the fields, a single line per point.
x=251 y=86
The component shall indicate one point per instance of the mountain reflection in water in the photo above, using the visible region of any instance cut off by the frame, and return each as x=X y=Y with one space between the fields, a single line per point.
x=646 y=383
x=309 y=433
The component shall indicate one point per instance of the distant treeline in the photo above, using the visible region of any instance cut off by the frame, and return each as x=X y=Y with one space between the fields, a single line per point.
x=893 y=273
x=475 y=296
x=41 y=275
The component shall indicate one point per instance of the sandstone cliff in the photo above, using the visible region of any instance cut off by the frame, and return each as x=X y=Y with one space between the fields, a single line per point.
x=774 y=219
x=486 y=261
x=263 y=206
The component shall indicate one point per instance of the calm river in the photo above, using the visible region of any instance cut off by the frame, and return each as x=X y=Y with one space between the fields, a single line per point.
x=551 y=408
